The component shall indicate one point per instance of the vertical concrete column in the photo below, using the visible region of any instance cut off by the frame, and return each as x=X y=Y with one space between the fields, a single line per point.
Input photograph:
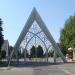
x=17 y=56
x=54 y=57
x=9 y=61
x=47 y=55
x=35 y=49
x=25 y=55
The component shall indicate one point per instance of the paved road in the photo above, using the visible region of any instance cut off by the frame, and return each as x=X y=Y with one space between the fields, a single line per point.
x=61 y=69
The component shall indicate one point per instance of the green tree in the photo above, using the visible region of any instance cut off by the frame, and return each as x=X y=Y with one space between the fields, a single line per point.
x=32 y=51
x=3 y=54
x=10 y=49
x=39 y=51
x=67 y=35
x=50 y=53
x=1 y=36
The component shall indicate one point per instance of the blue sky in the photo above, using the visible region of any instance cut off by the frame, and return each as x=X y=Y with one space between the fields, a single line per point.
x=15 y=13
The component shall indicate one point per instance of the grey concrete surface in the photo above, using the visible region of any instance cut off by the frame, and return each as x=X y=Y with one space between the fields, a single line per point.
x=59 y=69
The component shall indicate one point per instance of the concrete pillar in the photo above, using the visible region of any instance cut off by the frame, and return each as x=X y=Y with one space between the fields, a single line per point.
x=25 y=55
x=17 y=57
x=8 y=60
x=36 y=53
x=47 y=55
x=54 y=57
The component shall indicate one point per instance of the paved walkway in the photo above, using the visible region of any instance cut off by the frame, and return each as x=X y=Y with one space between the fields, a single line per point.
x=61 y=69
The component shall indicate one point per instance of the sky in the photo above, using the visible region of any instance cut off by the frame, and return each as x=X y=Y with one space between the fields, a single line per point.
x=14 y=14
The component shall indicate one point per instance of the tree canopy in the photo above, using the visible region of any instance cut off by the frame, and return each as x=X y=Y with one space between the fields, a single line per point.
x=32 y=51
x=67 y=34
x=39 y=51
x=36 y=51
x=1 y=35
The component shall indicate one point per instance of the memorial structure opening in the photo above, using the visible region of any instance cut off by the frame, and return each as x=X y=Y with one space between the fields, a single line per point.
x=35 y=36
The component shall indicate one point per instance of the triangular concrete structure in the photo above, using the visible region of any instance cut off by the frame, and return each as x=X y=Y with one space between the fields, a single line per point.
x=36 y=17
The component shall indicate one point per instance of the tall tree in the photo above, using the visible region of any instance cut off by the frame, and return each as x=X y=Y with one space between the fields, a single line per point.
x=32 y=51
x=67 y=34
x=1 y=36
x=50 y=53
x=39 y=51
x=10 y=49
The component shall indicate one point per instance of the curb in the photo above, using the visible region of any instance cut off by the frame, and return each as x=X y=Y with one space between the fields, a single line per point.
x=5 y=68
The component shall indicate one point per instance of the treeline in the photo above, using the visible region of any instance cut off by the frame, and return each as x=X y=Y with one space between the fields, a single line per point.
x=36 y=52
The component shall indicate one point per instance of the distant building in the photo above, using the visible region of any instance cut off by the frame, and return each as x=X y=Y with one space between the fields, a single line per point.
x=5 y=47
